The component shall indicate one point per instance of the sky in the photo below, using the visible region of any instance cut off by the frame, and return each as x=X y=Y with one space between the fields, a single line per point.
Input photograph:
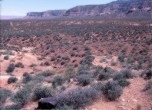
x=21 y=7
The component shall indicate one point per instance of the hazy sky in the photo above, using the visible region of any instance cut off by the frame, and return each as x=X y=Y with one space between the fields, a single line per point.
x=21 y=7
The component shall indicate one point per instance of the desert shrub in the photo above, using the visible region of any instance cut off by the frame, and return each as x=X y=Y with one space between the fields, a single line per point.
x=83 y=69
x=46 y=63
x=10 y=68
x=33 y=65
x=75 y=48
x=16 y=106
x=112 y=90
x=64 y=107
x=6 y=57
x=87 y=60
x=147 y=74
x=19 y=65
x=38 y=78
x=78 y=97
x=121 y=57
x=70 y=73
x=66 y=58
x=72 y=54
x=42 y=92
x=148 y=86
x=98 y=86
x=118 y=76
x=4 y=94
x=57 y=81
x=123 y=82
x=103 y=76
x=26 y=78
x=53 y=58
x=12 y=80
x=109 y=70
x=127 y=73
x=124 y=74
x=98 y=70
x=84 y=79
x=46 y=73
x=22 y=96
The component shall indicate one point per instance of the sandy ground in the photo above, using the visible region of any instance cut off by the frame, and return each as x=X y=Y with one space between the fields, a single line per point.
x=131 y=98
x=107 y=62
x=27 y=59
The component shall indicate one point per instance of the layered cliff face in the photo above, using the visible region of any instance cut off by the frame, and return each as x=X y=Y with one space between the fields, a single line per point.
x=116 y=9
x=50 y=13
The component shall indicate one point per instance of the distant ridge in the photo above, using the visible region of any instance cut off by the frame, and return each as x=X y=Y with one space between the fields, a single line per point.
x=116 y=9
x=10 y=17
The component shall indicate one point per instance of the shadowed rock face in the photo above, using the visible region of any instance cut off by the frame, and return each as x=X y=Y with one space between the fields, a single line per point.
x=116 y=9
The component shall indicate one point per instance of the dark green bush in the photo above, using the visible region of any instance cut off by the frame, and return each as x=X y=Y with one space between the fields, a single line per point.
x=98 y=70
x=57 y=81
x=127 y=73
x=19 y=65
x=17 y=106
x=70 y=73
x=78 y=97
x=121 y=57
x=118 y=76
x=103 y=76
x=46 y=73
x=147 y=74
x=42 y=92
x=87 y=60
x=148 y=86
x=4 y=94
x=98 y=86
x=84 y=79
x=10 y=68
x=22 y=96
x=12 y=80
x=26 y=78
x=112 y=90
x=123 y=82
x=109 y=70
x=124 y=74
x=6 y=57
x=64 y=107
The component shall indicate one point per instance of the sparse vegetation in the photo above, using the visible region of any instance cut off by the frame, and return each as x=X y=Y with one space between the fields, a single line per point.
x=123 y=82
x=6 y=57
x=19 y=65
x=57 y=81
x=123 y=74
x=10 y=68
x=42 y=92
x=112 y=90
x=22 y=96
x=79 y=97
x=84 y=79
x=12 y=80
x=64 y=43
x=26 y=78
x=16 y=106
x=4 y=94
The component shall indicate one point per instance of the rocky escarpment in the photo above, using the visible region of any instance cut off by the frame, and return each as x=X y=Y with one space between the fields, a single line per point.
x=116 y=9
x=45 y=14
